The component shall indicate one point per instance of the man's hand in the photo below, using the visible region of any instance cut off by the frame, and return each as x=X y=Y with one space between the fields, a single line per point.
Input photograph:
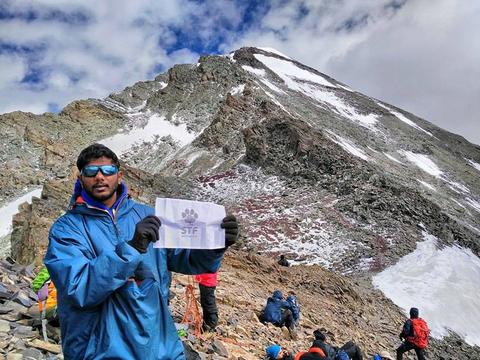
x=146 y=231
x=229 y=223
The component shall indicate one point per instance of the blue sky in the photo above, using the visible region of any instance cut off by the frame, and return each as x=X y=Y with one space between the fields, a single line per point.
x=415 y=55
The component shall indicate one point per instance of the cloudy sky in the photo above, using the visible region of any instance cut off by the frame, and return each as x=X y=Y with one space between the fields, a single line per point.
x=420 y=55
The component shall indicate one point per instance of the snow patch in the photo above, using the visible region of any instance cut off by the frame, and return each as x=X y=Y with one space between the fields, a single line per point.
x=271 y=86
x=237 y=89
x=423 y=162
x=404 y=119
x=289 y=72
x=348 y=146
x=156 y=126
x=431 y=278
x=392 y=158
x=9 y=210
x=457 y=187
x=427 y=185
x=474 y=164
x=255 y=71
x=274 y=51
x=473 y=203
x=274 y=99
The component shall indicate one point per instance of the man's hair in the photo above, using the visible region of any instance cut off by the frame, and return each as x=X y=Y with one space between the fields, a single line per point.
x=93 y=152
x=413 y=313
x=319 y=335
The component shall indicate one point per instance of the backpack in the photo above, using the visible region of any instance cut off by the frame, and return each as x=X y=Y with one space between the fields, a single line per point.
x=342 y=355
x=420 y=333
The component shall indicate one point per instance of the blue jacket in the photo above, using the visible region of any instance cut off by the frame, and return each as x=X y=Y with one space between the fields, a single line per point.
x=104 y=313
x=274 y=308
x=292 y=300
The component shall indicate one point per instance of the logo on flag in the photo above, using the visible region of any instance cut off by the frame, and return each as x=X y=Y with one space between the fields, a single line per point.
x=190 y=229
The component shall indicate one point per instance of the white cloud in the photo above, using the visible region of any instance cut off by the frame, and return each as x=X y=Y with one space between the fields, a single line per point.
x=420 y=57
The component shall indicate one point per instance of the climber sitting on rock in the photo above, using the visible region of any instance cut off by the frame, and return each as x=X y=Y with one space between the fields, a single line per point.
x=348 y=351
x=279 y=312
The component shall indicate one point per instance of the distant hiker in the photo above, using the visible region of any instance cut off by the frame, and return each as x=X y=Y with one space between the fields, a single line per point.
x=415 y=332
x=314 y=353
x=207 y=283
x=349 y=350
x=274 y=352
x=46 y=292
x=295 y=307
x=112 y=285
x=279 y=312
x=283 y=261
x=383 y=355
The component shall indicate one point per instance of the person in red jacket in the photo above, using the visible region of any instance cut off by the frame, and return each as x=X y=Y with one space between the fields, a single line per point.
x=415 y=332
x=207 y=284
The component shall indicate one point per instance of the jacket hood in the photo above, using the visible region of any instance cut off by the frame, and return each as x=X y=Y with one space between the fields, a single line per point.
x=413 y=313
x=277 y=294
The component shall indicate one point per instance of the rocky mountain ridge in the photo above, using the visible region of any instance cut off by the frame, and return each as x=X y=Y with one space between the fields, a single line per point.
x=312 y=168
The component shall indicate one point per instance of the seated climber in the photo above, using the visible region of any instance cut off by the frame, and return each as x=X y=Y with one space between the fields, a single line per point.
x=283 y=261
x=314 y=353
x=279 y=312
x=275 y=352
x=349 y=350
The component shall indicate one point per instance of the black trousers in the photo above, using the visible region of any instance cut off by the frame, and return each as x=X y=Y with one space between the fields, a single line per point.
x=287 y=319
x=352 y=350
x=209 y=307
x=406 y=346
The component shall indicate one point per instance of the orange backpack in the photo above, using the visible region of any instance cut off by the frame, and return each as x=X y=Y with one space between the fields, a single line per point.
x=311 y=350
x=420 y=333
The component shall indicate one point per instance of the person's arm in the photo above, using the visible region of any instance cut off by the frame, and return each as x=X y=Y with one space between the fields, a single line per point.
x=407 y=328
x=192 y=262
x=81 y=277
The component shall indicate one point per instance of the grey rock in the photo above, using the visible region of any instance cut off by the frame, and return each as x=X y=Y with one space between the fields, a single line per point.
x=14 y=356
x=219 y=348
x=32 y=354
x=4 y=326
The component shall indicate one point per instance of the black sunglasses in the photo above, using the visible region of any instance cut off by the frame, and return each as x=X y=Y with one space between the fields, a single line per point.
x=92 y=170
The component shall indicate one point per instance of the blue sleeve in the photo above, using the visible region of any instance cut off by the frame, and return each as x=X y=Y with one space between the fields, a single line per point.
x=407 y=328
x=80 y=276
x=193 y=262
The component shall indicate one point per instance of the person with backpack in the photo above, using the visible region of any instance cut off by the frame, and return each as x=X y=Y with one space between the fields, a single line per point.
x=279 y=312
x=415 y=332
x=283 y=261
x=348 y=351
x=207 y=283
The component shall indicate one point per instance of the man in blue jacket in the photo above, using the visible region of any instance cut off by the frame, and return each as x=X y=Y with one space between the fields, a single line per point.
x=112 y=286
x=279 y=312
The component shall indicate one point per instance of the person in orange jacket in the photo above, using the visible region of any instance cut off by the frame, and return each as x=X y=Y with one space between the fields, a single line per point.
x=207 y=284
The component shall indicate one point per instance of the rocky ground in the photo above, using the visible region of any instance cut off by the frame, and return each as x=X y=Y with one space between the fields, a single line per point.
x=345 y=309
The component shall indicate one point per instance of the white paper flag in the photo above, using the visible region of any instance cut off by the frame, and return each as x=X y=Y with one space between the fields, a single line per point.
x=189 y=224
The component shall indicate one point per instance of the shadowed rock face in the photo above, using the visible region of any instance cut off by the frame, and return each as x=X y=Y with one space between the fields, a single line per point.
x=312 y=168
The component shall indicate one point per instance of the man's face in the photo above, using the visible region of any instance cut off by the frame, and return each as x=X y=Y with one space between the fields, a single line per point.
x=102 y=187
